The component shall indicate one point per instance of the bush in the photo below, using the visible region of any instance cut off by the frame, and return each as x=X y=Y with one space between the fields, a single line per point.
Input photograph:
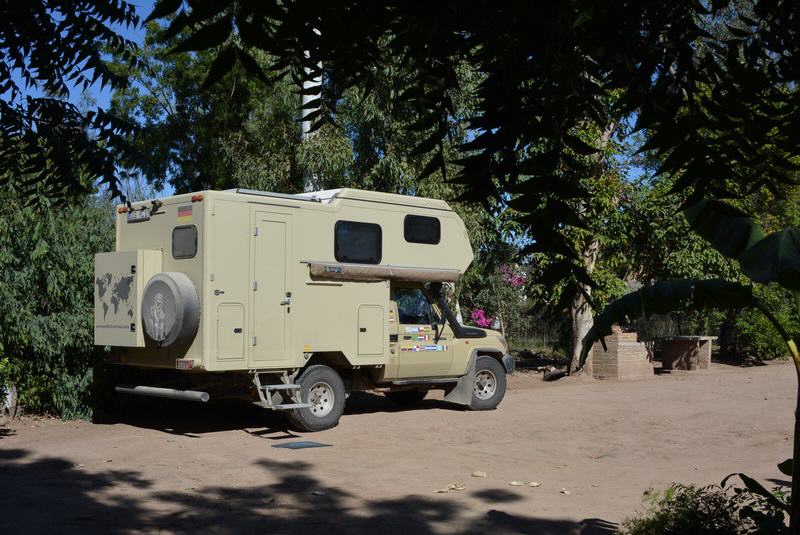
x=46 y=301
x=683 y=509
x=756 y=335
x=714 y=510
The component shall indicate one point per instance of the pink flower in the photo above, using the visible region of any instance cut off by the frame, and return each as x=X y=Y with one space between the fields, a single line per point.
x=480 y=318
x=511 y=278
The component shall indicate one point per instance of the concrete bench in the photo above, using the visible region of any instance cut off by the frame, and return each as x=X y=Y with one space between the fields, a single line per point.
x=686 y=352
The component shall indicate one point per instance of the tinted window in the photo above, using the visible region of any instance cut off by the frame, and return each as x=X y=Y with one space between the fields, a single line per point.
x=421 y=229
x=357 y=242
x=412 y=306
x=184 y=242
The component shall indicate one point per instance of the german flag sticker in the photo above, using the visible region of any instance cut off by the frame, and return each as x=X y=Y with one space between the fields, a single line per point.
x=185 y=213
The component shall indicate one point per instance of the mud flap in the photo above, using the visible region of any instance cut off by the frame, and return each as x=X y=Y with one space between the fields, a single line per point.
x=461 y=392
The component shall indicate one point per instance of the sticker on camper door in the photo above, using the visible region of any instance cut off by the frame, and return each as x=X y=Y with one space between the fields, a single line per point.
x=424 y=348
x=185 y=213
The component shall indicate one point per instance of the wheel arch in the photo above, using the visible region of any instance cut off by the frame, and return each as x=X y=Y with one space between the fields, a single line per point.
x=333 y=359
x=493 y=352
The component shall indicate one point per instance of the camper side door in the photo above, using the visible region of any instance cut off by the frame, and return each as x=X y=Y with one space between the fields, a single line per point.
x=420 y=353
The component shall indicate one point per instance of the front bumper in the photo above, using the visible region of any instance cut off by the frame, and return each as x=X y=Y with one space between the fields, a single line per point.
x=509 y=364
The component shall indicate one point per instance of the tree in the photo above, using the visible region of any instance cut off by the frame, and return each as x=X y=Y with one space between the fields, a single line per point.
x=47 y=49
x=240 y=132
x=237 y=133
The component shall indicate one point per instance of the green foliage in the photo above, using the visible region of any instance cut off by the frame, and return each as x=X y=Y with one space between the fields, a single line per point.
x=47 y=49
x=5 y=376
x=761 y=510
x=46 y=301
x=762 y=258
x=717 y=108
x=238 y=133
x=714 y=509
x=660 y=243
x=730 y=243
x=487 y=286
x=685 y=509
x=755 y=334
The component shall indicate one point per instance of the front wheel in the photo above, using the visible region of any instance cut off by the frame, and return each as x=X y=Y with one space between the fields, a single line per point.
x=490 y=384
x=323 y=389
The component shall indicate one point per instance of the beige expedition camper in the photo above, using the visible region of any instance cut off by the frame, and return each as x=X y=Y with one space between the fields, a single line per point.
x=293 y=301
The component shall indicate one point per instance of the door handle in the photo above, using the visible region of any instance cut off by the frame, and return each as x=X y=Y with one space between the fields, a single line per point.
x=219 y=292
x=287 y=301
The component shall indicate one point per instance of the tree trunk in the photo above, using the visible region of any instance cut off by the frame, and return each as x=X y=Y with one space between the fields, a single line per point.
x=581 y=312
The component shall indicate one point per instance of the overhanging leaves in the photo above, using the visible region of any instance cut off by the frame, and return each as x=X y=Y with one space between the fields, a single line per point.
x=764 y=259
x=721 y=115
x=667 y=296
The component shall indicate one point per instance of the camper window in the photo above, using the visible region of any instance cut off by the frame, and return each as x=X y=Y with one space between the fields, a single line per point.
x=184 y=242
x=421 y=229
x=356 y=242
x=412 y=306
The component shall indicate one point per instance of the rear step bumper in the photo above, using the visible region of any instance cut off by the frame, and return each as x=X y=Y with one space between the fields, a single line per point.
x=155 y=392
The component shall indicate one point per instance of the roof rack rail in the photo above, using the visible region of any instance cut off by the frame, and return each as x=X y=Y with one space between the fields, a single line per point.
x=271 y=194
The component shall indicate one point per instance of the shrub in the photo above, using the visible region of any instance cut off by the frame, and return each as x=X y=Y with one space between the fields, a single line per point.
x=46 y=301
x=756 y=335
x=714 y=509
x=684 y=509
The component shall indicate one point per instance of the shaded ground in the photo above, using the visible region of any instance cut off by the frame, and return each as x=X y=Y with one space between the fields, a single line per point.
x=189 y=468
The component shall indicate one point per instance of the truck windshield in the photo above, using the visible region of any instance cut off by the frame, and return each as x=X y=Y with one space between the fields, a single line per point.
x=412 y=306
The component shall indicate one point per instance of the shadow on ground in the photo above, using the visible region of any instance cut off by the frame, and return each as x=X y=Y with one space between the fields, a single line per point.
x=193 y=419
x=39 y=494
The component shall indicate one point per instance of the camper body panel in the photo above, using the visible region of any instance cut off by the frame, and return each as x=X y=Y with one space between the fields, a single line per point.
x=261 y=307
x=156 y=233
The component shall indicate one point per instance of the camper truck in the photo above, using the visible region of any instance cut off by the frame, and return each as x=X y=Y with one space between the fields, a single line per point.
x=292 y=302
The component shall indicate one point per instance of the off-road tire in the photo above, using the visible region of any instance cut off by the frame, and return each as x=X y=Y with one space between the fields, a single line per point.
x=408 y=397
x=488 y=371
x=307 y=419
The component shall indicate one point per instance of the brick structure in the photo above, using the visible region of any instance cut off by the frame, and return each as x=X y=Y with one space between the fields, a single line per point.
x=625 y=359
x=686 y=352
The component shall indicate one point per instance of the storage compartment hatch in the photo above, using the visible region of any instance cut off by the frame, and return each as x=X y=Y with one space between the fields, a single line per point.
x=119 y=280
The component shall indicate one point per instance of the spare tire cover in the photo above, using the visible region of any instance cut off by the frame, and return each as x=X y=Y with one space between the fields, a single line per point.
x=170 y=309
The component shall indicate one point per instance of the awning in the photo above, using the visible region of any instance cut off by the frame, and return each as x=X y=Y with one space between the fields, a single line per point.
x=370 y=272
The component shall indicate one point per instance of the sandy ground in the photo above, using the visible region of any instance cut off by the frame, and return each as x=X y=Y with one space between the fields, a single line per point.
x=190 y=468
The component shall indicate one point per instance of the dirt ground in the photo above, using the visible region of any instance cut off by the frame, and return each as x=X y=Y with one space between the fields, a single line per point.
x=188 y=468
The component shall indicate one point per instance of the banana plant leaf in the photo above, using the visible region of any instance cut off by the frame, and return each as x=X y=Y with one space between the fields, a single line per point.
x=668 y=296
x=762 y=258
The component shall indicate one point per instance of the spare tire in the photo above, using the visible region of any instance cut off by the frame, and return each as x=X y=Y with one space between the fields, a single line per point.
x=170 y=310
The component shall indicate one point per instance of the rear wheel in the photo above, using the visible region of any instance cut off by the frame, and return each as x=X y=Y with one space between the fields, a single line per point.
x=406 y=397
x=322 y=387
x=490 y=384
